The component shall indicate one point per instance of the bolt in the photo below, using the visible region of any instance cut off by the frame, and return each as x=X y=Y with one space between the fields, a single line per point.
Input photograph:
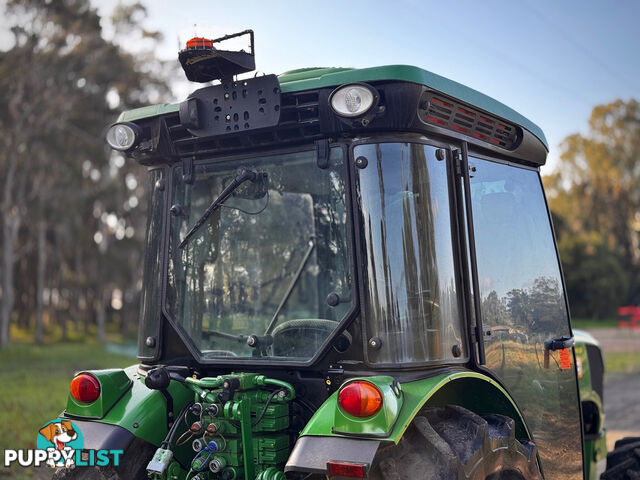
x=362 y=162
x=333 y=299
x=440 y=154
x=456 y=350
x=226 y=96
x=375 y=343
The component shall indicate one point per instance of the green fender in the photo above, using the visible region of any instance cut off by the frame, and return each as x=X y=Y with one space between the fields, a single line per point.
x=126 y=402
x=403 y=401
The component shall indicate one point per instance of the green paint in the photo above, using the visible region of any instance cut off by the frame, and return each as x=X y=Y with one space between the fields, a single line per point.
x=149 y=111
x=271 y=473
x=313 y=78
x=113 y=384
x=145 y=408
x=244 y=416
x=472 y=390
x=595 y=449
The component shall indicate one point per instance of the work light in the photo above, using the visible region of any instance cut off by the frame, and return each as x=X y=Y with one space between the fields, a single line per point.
x=123 y=136
x=353 y=100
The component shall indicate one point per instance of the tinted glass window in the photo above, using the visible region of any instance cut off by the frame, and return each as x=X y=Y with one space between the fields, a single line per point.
x=523 y=306
x=266 y=261
x=412 y=304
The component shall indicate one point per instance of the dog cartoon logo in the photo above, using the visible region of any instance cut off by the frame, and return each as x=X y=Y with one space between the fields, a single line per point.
x=61 y=436
x=59 y=433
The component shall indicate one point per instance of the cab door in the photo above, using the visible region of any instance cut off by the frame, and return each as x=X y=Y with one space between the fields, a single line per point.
x=526 y=331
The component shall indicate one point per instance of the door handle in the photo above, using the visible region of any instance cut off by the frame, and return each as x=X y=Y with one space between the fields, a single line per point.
x=561 y=344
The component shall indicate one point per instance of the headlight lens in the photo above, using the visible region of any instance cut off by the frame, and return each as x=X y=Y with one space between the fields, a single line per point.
x=352 y=100
x=123 y=136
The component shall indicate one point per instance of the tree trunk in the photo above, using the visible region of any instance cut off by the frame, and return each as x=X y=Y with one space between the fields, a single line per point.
x=101 y=316
x=10 y=225
x=77 y=290
x=8 y=294
x=42 y=265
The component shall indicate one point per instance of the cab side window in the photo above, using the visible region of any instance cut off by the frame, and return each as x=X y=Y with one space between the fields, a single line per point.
x=522 y=306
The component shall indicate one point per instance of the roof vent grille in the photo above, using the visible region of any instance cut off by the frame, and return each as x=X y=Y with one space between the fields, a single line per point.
x=452 y=115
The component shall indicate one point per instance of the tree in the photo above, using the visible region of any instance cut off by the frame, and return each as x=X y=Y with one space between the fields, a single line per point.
x=66 y=201
x=594 y=194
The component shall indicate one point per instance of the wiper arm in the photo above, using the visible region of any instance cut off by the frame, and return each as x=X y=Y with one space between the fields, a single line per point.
x=242 y=176
x=293 y=283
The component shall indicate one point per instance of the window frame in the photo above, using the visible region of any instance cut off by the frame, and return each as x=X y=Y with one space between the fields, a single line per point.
x=457 y=246
x=348 y=318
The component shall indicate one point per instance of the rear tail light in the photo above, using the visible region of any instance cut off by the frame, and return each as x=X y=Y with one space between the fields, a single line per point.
x=360 y=399
x=85 y=388
x=345 y=469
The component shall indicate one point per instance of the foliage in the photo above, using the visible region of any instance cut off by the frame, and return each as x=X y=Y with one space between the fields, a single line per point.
x=72 y=219
x=595 y=201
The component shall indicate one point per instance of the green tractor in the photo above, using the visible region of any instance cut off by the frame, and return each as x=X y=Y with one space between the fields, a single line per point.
x=348 y=274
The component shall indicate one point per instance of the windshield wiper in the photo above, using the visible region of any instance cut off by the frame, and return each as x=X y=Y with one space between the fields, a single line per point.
x=242 y=176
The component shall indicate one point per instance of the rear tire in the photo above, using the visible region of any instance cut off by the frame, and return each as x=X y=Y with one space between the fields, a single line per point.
x=133 y=465
x=623 y=462
x=450 y=443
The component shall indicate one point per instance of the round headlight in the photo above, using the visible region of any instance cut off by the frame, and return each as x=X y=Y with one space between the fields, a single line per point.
x=123 y=136
x=352 y=100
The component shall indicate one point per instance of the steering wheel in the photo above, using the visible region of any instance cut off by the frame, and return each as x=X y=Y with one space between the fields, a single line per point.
x=301 y=337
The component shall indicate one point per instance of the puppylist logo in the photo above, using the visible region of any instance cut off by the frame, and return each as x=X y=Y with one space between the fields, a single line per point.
x=60 y=444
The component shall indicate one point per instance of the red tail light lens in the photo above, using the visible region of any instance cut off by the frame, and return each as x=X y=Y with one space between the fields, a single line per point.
x=85 y=388
x=344 y=469
x=360 y=399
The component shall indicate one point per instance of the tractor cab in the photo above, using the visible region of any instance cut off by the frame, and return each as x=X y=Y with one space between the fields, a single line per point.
x=348 y=274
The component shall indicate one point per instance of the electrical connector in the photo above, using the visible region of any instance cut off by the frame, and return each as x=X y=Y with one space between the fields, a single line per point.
x=160 y=461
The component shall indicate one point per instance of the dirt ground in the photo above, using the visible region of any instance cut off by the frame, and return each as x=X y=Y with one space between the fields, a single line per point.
x=621 y=391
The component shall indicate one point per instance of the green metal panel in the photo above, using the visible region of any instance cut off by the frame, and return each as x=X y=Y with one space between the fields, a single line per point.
x=113 y=384
x=595 y=449
x=472 y=390
x=312 y=78
x=149 y=111
x=138 y=409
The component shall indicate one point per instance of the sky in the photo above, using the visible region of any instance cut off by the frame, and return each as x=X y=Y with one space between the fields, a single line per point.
x=552 y=61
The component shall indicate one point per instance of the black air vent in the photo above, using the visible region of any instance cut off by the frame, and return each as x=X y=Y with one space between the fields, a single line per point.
x=452 y=115
x=299 y=121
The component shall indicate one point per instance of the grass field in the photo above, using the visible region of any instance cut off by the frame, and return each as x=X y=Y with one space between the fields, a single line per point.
x=586 y=323
x=34 y=383
x=622 y=362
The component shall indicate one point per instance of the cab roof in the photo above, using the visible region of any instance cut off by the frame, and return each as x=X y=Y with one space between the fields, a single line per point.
x=313 y=78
